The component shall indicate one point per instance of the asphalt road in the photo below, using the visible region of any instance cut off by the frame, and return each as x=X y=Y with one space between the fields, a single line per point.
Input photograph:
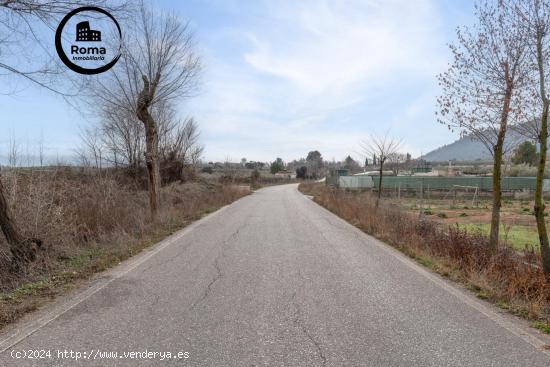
x=272 y=280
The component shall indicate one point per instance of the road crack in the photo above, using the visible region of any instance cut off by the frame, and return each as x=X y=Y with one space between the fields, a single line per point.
x=298 y=322
x=217 y=267
x=210 y=285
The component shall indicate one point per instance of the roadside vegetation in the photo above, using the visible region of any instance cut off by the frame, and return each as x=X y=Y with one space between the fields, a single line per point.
x=90 y=220
x=510 y=277
x=517 y=228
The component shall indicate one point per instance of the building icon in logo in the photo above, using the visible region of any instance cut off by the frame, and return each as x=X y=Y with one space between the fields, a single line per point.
x=84 y=33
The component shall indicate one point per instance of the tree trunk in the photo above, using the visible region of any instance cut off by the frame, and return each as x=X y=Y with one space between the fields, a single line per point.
x=543 y=140
x=151 y=144
x=539 y=199
x=380 y=179
x=497 y=197
x=497 y=165
x=23 y=250
x=380 y=183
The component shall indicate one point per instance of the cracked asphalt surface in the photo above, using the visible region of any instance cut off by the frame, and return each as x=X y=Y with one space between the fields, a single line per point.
x=275 y=280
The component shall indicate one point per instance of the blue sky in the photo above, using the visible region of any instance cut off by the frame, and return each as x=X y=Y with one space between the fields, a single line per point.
x=282 y=78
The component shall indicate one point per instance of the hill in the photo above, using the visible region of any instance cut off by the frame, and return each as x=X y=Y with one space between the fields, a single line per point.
x=468 y=148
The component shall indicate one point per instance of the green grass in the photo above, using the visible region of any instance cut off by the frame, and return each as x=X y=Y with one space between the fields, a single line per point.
x=24 y=290
x=483 y=294
x=502 y=304
x=82 y=259
x=427 y=262
x=542 y=326
x=519 y=236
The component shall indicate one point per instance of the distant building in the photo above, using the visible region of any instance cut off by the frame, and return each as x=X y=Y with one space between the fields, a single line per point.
x=84 y=33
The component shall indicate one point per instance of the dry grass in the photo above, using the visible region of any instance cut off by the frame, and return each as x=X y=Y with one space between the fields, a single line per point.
x=89 y=222
x=512 y=279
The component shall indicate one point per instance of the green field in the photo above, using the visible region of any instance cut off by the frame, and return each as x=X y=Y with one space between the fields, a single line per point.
x=518 y=236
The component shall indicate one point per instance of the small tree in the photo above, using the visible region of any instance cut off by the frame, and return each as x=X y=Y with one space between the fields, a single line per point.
x=314 y=161
x=395 y=162
x=381 y=147
x=277 y=166
x=525 y=153
x=254 y=178
x=482 y=91
x=350 y=164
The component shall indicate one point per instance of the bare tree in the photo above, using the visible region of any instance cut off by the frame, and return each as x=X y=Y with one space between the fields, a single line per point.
x=24 y=25
x=396 y=161
x=92 y=150
x=483 y=89
x=123 y=137
x=535 y=22
x=314 y=161
x=158 y=66
x=383 y=147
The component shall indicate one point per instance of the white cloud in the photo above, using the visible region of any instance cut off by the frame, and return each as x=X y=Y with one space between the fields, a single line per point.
x=331 y=47
x=298 y=73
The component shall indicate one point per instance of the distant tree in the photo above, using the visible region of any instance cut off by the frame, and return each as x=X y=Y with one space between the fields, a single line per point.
x=383 y=147
x=301 y=172
x=254 y=178
x=482 y=91
x=277 y=166
x=314 y=162
x=243 y=162
x=395 y=161
x=350 y=164
x=525 y=153
x=366 y=162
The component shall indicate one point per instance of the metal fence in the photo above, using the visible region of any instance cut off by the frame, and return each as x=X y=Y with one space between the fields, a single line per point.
x=355 y=182
x=438 y=183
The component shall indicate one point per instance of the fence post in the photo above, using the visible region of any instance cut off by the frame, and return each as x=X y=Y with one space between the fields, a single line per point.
x=399 y=192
